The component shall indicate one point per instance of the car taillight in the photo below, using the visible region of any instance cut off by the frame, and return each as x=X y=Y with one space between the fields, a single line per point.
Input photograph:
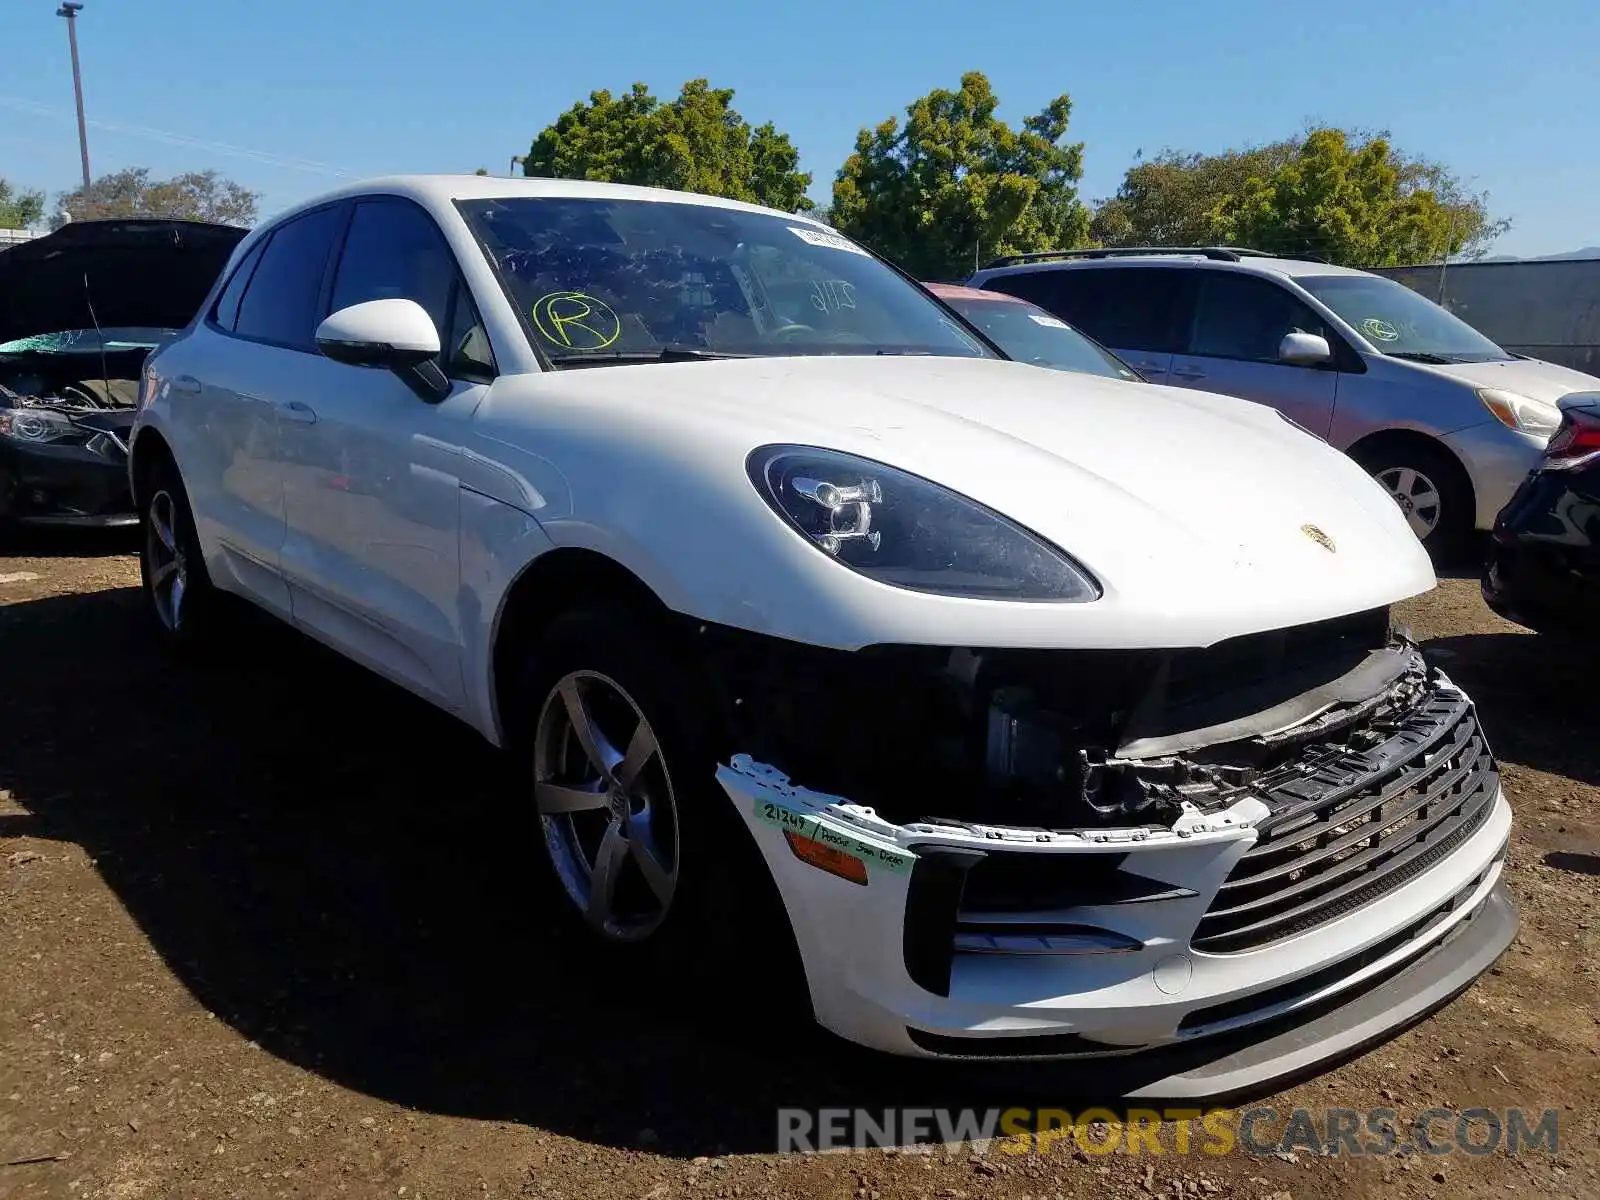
x=1575 y=441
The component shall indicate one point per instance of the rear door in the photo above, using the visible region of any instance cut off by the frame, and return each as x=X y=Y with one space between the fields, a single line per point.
x=1239 y=323
x=1140 y=313
x=231 y=375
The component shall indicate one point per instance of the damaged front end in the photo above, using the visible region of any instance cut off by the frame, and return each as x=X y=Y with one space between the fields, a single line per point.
x=1064 y=739
x=80 y=311
x=1096 y=851
x=64 y=434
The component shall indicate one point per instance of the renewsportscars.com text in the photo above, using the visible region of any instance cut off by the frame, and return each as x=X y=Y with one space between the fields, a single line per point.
x=1099 y=1131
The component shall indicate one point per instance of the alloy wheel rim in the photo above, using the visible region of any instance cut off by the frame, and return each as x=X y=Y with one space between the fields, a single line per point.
x=609 y=815
x=169 y=571
x=1417 y=496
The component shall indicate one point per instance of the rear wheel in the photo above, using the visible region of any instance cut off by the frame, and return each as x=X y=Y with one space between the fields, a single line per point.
x=1431 y=489
x=177 y=588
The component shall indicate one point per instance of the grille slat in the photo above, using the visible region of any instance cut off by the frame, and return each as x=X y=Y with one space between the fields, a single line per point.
x=1385 y=823
x=1383 y=816
x=1352 y=773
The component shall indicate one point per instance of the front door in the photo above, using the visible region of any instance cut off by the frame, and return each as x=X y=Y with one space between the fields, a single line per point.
x=1239 y=323
x=371 y=472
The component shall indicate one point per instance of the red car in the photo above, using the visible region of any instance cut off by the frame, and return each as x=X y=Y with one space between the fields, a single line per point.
x=1029 y=334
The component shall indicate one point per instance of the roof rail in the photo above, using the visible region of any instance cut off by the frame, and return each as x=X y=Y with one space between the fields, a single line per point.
x=1219 y=253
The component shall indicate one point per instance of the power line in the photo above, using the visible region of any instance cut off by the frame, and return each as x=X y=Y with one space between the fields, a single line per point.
x=171 y=137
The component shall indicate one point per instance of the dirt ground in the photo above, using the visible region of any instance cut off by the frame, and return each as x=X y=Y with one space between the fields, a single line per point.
x=264 y=932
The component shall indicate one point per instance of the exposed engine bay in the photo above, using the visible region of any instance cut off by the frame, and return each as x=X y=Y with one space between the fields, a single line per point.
x=69 y=377
x=1071 y=740
x=80 y=310
x=67 y=406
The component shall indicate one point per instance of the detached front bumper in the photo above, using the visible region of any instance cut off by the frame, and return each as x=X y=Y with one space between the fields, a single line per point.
x=51 y=484
x=1224 y=952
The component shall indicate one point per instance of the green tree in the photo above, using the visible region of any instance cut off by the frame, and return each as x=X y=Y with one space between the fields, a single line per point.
x=194 y=196
x=956 y=185
x=19 y=208
x=1344 y=196
x=695 y=143
x=1179 y=199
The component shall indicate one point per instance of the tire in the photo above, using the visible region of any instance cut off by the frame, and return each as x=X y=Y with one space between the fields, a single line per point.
x=1437 y=495
x=723 y=907
x=170 y=562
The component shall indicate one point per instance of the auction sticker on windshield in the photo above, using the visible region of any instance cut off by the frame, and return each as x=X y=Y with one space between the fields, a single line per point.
x=1052 y=322
x=1376 y=327
x=818 y=237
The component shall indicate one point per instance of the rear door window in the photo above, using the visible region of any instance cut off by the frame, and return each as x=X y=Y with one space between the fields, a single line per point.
x=1129 y=308
x=282 y=303
x=226 y=311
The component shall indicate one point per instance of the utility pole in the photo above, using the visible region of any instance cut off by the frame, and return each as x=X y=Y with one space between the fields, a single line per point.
x=515 y=159
x=70 y=11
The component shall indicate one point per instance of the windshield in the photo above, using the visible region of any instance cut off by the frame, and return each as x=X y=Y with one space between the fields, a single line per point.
x=87 y=341
x=1031 y=335
x=1399 y=322
x=603 y=280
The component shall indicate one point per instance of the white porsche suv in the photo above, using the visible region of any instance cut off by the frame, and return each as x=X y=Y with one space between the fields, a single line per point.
x=1011 y=701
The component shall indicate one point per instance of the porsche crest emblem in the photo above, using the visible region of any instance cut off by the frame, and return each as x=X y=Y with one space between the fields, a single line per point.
x=1320 y=538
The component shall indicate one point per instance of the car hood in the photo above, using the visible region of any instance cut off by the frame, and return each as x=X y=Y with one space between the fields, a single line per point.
x=1531 y=377
x=136 y=273
x=1164 y=492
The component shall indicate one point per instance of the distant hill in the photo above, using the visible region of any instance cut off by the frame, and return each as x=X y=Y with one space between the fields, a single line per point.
x=1570 y=255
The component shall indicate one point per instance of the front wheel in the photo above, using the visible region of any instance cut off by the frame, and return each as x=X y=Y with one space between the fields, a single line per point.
x=1433 y=492
x=647 y=860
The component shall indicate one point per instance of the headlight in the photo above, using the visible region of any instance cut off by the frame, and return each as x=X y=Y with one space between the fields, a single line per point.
x=35 y=425
x=1521 y=413
x=907 y=532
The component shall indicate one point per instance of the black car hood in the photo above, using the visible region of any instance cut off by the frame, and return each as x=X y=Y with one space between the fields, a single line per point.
x=150 y=273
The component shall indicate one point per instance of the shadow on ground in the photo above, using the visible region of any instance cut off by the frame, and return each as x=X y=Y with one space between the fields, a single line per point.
x=1578 y=864
x=1536 y=694
x=340 y=873
x=43 y=542
x=334 y=869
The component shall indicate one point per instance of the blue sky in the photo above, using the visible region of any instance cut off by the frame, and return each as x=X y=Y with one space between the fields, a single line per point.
x=290 y=96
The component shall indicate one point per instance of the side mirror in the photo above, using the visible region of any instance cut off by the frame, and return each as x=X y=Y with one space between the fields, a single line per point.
x=391 y=335
x=1304 y=349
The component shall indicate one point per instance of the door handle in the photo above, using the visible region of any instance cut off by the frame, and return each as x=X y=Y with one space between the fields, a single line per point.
x=187 y=384
x=1189 y=373
x=298 y=411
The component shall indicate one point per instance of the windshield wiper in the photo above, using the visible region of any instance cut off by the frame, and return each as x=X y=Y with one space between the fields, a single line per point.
x=591 y=358
x=1421 y=356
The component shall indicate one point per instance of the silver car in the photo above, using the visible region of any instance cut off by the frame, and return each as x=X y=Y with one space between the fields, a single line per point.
x=1446 y=420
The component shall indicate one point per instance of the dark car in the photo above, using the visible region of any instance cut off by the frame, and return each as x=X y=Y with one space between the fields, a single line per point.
x=80 y=310
x=1029 y=334
x=1543 y=567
